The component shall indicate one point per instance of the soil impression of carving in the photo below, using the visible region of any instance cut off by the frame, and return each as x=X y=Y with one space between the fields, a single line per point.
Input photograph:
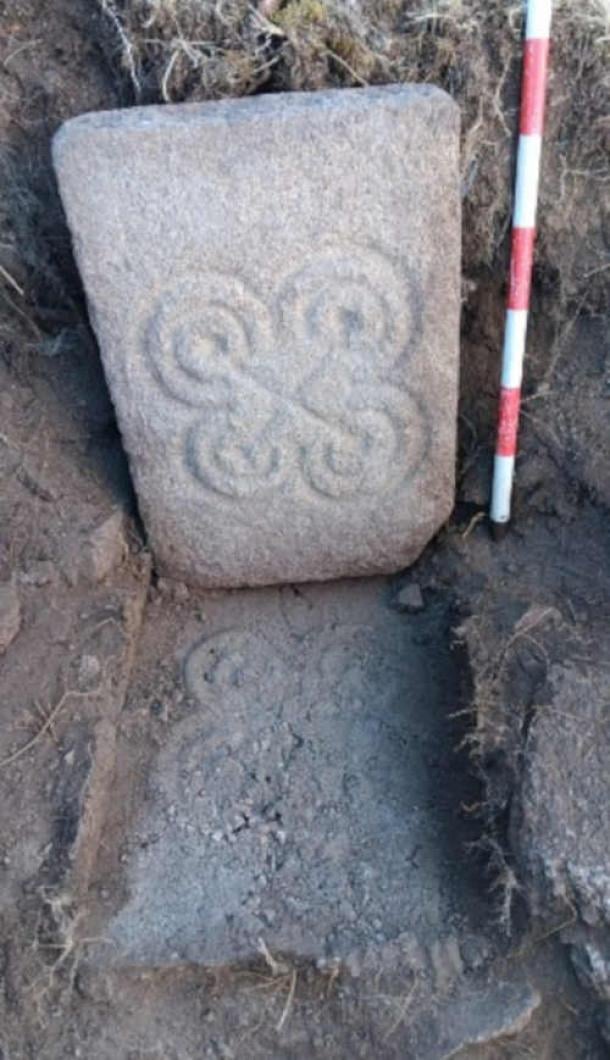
x=287 y=772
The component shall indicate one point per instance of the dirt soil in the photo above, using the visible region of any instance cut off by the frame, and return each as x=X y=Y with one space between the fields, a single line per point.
x=513 y=633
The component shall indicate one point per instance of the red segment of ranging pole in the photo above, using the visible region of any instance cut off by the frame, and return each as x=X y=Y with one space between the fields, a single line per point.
x=533 y=92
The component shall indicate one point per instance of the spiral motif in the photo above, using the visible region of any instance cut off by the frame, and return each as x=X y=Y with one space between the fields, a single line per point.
x=205 y=324
x=346 y=302
x=378 y=444
x=296 y=391
x=229 y=455
x=229 y=670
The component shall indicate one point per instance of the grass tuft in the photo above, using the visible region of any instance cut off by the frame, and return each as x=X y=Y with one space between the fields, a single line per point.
x=176 y=50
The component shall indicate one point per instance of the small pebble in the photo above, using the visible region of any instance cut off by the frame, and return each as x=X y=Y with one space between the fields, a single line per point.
x=158 y=709
x=410 y=598
x=88 y=671
x=41 y=572
x=104 y=549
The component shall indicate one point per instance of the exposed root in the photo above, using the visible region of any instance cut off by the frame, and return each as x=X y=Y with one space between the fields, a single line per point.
x=289 y=999
x=126 y=46
x=49 y=719
x=277 y=968
x=58 y=937
x=499 y=728
x=402 y=1013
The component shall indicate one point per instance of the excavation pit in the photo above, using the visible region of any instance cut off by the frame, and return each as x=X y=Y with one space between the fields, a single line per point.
x=287 y=772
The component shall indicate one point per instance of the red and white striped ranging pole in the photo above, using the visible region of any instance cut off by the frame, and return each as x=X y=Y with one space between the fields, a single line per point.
x=533 y=91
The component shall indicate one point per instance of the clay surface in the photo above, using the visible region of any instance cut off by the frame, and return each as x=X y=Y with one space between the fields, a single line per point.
x=274 y=283
x=293 y=785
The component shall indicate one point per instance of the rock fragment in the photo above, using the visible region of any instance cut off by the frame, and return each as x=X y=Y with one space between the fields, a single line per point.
x=105 y=548
x=475 y=1016
x=561 y=816
x=10 y=614
x=410 y=598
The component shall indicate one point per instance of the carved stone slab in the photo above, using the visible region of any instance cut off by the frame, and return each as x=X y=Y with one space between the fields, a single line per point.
x=274 y=283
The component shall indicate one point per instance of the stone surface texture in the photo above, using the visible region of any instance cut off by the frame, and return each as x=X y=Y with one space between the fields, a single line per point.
x=274 y=283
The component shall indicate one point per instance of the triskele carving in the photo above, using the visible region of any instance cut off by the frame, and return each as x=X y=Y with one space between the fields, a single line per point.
x=294 y=393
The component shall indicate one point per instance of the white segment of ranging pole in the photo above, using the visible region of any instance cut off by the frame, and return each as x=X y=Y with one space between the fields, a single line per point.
x=531 y=120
